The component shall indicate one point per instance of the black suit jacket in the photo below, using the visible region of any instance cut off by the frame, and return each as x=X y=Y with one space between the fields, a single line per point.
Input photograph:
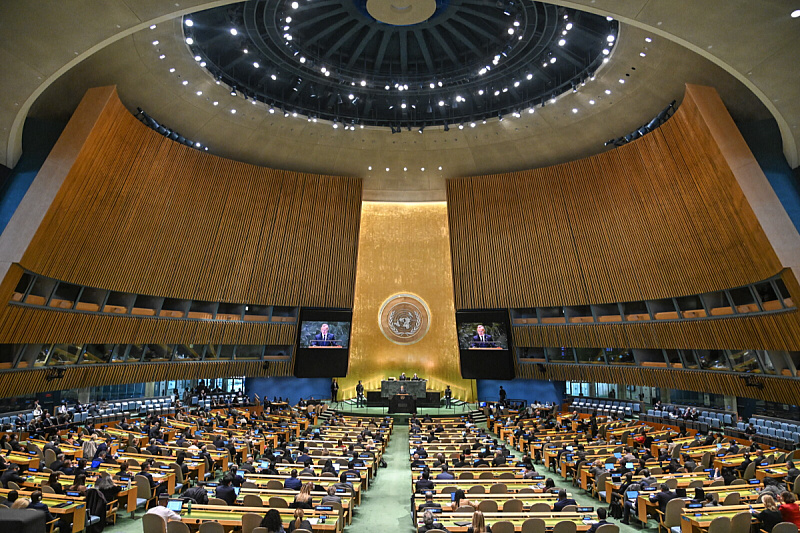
x=226 y=492
x=318 y=341
x=661 y=498
x=487 y=342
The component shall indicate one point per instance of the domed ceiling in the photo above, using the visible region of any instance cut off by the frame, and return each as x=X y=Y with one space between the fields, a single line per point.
x=400 y=63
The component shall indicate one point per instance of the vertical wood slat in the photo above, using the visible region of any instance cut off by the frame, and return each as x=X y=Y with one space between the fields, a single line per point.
x=660 y=217
x=140 y=213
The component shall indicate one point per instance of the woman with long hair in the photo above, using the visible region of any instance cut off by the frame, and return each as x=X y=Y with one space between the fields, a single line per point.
x=461 y=501
x=299 y=522
x=272 y=522
x=771 y=515
x=478 y=524
x=53 y=483
x=303 y=500
x=79 y=485
x=105 y=484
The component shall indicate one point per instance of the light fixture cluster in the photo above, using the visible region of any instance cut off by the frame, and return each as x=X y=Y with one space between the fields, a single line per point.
x=293 y=78
x=153 y=124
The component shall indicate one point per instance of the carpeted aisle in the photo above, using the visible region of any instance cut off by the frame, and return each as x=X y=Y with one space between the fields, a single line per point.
x=386 y=506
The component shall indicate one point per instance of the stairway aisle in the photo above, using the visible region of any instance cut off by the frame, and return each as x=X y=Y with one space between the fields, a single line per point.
x=386 y=506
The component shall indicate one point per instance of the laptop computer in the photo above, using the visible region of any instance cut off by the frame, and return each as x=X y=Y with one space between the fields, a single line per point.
x=96 y=463
x=631 y=494
x=175 y=505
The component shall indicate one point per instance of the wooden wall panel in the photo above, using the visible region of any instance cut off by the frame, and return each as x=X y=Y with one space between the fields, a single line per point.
x=30 y=381
x=775 y=331
x=775 y=389
x=140 y=213
x=662 y=216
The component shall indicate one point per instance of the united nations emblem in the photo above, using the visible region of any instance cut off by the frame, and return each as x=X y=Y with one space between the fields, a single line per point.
x=404 y=318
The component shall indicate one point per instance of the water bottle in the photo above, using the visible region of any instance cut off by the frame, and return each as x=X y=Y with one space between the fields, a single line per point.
x=189 y=508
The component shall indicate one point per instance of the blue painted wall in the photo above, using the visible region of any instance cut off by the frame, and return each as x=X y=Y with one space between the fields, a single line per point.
x=764 y=139
x=522 y=389
x=295 y=388
x=38 y=138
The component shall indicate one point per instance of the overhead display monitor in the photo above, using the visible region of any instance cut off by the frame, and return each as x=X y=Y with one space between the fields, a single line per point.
x=323 y=342
x=484 y=344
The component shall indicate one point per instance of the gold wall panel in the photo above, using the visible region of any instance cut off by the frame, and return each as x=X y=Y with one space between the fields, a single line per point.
x=405 y=249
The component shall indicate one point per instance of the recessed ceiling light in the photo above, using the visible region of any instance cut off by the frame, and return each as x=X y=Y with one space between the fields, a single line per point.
x=155 y=43
x=574 y=109
x=405 y=169
x=255 y=64
x=568 y=26
x=273 y=77
x=162 y=56
x=608 y=91
x=189 y=22
x=234 y=31
x=387 y=169
x=197 y=145
x=152 y=26
x=288 y=20
x=295 y=5
x=531 y=110
x=609 y=19
x=648 y=40
x=185 y=82
x=246 y=51
x=233 y=111
x=796 y=13
x=610 y=38
x=440 y=168
x=216 y=103
x=529 y=76
x=189 y=40
x=552 y=60
x=197 y=58
x=511 y=31
x=471 y=124
x=441 y=103
x=369 y=167
x=606 y=51
x=199 y=93
x=622 y=80
x=172 y=69
x=591 y=102
x=642 y=54
x=562 y=42
x=422 y=169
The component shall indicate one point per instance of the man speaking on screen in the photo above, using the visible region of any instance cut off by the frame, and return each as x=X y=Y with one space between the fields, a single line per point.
x=482 y=339
x=323 y=338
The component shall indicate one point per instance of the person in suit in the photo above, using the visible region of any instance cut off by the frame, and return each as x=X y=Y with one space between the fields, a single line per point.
x=323 y=338
x=424 y=483
x=225 y=490
x=601 y=520
x=402 y=377
x=360 y=395
x=481 y=339
x=9 y=499
x=563 y=501
x=334 y=390
x=292 y=482
x=445 y=474
x=663 y=497
x=429 y=523
x=11 y=474
x=448 y=397
x=428 y=503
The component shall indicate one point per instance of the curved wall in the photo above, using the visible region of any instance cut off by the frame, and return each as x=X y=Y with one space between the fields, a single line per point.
x=660 y=217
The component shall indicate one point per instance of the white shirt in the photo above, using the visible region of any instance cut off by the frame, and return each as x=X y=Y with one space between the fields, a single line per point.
x=166 y=514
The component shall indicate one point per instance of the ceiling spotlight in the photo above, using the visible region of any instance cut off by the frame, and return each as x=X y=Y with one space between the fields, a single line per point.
x=441 y=103
x=606 y=51
x=369 y=167
x=553 y=100
x=446 y=127
x=386 y=87
x=648 y=40
x=422 y=169
x=440 y=168
x=795 y=13
x=234 y=32
x=273 y=77
x=199 y=93
x=622 y=80
x=185 y=82
x=461 y=126
x=302 y=59
x=294 y=114
x=562 y=42
x=203 y=64
x=405 y=169
x=568 y=26
x=255 y=64
x=642 y=54
x=480 y=72
x=216 y=103
x=233 y=111
x=295 y=5
x=233 y=91
x=155 y=43
x=189 y=41
x=531 y=110
x=189 y=22
x=529 y=76
x=610 y=38
x=197 y=145
x=172 y=69
x=387 y=169
x=439 y=83
x=335 y=125
x=591 y=102
x=152 y=26
x=552 y=60
x=480 y=92
x=511 y=31
x=608 y=91
x=288 y=20
x=245 y=51
x=574 y=109
x=403 y=105
x=471 y=124
x=162 y=56
x=516 y=24
x=609 y=19
x=363 y=83
x=516 y=84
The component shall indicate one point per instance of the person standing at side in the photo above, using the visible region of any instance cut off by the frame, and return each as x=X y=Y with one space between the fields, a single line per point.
x=448 y=397
x=360 y=394
x=334 y=390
